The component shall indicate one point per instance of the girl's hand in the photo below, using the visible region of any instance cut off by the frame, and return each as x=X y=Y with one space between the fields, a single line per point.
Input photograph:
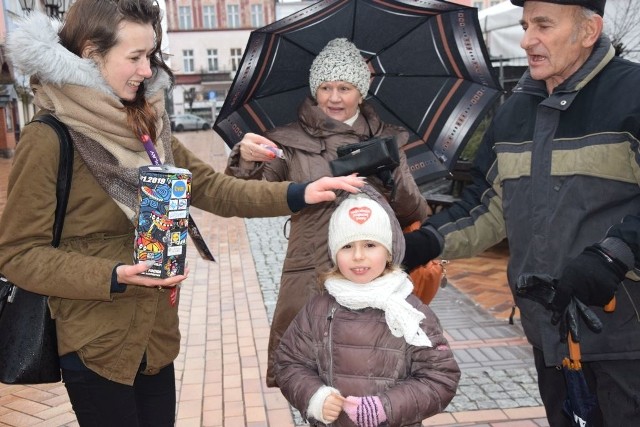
x=321 y=190
x=332 y=407
x=365 y=411
x=130 y=275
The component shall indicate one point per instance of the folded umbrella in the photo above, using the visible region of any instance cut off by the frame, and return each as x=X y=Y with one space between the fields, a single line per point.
x=580 y=402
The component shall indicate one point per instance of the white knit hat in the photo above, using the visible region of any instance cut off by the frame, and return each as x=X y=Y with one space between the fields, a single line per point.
x=359 y=218
x=340 y=60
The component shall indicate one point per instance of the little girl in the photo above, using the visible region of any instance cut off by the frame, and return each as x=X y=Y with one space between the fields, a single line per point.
x=368 y=353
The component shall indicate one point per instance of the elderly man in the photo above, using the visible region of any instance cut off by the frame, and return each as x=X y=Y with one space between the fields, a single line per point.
x=558 y=175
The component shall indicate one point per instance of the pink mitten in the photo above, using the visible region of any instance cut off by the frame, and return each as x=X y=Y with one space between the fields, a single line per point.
x=366 y=411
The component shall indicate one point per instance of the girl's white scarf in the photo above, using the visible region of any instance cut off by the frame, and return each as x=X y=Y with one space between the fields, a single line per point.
x=389 y=294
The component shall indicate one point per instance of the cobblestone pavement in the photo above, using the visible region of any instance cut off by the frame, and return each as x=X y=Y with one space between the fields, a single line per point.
x=495 y=359
x=225 y=327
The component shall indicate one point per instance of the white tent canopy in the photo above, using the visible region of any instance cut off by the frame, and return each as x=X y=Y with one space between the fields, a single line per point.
x=502 y=31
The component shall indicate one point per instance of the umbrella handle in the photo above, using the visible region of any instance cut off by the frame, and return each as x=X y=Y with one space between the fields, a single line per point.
x=574 y=347
x=574 y=350
x=611 y=305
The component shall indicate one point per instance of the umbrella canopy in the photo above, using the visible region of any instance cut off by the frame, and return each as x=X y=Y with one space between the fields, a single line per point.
x=429 y=65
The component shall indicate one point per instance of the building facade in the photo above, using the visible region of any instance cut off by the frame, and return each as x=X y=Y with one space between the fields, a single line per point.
x=206 y=41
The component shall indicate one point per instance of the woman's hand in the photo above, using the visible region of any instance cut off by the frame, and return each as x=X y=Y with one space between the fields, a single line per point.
x=321 y=190
x=253 y=148
x=130 y=275
x=332 y=407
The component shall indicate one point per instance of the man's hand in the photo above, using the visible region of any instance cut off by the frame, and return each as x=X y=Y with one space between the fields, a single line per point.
x=321 y=190
x=421 y=246
x=592 y=277
x=543 y=289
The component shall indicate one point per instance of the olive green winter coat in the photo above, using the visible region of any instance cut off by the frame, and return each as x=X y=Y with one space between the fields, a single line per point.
x=110 y=331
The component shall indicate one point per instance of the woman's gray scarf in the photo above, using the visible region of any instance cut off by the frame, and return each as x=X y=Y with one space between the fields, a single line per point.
x=388 y=293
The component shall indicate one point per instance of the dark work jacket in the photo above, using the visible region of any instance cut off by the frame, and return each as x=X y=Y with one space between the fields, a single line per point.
x=555 y=174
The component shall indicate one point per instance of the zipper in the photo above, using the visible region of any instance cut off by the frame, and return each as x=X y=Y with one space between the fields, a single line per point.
x=631 y=301
x=330 y=346
x=330 y=343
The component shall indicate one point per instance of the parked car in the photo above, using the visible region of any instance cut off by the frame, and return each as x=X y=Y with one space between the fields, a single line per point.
x=181 y=122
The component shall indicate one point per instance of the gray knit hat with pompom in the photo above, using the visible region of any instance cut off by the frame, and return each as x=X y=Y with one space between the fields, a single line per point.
x=340 y=60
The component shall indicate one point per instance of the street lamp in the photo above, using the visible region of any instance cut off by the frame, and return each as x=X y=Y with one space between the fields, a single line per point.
x=54 y=8
x=26 y=5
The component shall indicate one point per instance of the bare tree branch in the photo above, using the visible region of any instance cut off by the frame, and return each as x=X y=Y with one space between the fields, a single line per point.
x=621 y=25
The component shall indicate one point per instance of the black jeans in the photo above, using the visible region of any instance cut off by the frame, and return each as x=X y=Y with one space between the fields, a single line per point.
x=615 y=382
x=99 y=402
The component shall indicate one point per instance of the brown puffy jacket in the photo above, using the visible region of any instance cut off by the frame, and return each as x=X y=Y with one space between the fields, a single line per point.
x=309 y=145
x=355 y=352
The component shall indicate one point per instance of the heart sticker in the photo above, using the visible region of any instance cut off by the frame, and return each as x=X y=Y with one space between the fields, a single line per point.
x=360 y=214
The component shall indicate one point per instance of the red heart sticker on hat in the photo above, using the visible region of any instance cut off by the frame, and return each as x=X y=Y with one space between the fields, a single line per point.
x=360 y=214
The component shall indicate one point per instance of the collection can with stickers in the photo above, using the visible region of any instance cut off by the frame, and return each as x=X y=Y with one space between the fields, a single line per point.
x=164 y=195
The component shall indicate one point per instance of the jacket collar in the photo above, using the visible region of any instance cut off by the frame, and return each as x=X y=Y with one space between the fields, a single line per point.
x=317 y=127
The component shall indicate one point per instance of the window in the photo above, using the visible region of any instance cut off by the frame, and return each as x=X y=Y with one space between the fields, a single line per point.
x=187 y=61
x=212 y=59
x=8 y=118
x=236 y=57
x=210 y=20
x=184 y=17
x=257 y=18
x=233 y=16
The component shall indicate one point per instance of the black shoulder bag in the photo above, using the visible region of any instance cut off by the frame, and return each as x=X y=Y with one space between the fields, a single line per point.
x=28 y=346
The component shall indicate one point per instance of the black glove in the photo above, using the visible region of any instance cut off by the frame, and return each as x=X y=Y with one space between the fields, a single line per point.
x=569 y=320
x=592 y=277
x=421 y=247
x=542 y=288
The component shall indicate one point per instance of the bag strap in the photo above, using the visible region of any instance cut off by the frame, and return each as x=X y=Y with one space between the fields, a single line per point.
x=65 y=172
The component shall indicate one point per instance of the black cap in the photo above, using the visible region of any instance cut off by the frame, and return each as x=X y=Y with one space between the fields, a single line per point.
x=595 y=5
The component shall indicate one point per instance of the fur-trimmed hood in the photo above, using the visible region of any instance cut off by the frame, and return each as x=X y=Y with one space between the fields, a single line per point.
x=34 y=48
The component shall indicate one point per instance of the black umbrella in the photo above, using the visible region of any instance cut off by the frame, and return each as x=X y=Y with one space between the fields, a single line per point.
x=430 y=72
x=580 y=402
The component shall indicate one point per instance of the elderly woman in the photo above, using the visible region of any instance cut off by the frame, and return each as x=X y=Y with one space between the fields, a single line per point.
x=335 y=115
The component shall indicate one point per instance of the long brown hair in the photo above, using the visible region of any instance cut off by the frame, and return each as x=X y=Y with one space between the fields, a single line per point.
x=96 y=23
